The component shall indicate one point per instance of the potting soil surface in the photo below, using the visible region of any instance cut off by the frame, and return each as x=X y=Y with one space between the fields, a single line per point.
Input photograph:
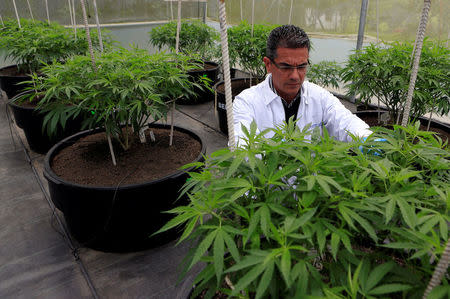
x=88 y=160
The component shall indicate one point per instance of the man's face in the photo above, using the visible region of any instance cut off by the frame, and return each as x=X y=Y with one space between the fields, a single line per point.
x=288 y=81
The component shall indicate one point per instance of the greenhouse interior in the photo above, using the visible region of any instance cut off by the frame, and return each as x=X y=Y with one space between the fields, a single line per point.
x=224 y=149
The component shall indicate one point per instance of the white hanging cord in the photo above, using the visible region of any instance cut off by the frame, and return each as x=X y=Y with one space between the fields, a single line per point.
x=440 y=270
x=46 y=8
x=88 y=34
x=1 y=20
x=74 y=19
x=226 y=72
x=253 y=15
x=415 y=69
x=99 y=31
x=177 y=49
x=91 y=51
x=290 y=12
x=70 y=13
x=171 y=11
x=242 y=17
x=29 y=8
x=378 y=20
x=17 y=14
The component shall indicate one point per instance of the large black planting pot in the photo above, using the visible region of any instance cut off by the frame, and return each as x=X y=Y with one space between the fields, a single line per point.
x=122 y=218
x=237 y=86
x=31 y=121
x=9 y=81
x=211 y=71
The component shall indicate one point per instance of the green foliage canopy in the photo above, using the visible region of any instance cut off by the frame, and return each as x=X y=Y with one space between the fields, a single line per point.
x=195 y=37
x=38 y=43
x=289 y=217
x=126 y=89
x=248 y=48
x=383 y=72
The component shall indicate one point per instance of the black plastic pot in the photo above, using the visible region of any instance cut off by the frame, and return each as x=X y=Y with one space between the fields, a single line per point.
x=10 y=82
x=117 y=219
x=31 y=122
x=237 y=86
x=211 y=71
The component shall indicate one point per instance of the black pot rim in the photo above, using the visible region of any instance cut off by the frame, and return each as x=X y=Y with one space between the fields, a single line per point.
x=12 y=66
x=12 y=101
x=215 y=68
x=221 y=82
x=50 y=175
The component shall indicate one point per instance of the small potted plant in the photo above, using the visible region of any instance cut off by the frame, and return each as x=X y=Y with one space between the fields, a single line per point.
x=197 y=40
x=383 y=72
x=296 y=216
x=112 y=182
x=249 y=50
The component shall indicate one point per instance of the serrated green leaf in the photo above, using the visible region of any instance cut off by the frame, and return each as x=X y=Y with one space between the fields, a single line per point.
x=335 y=239
x=265 y=279
x=285 y=266
x=218 y=254
x=389 y=288
x=407 y=212
x=248 y=278
x=377 y=274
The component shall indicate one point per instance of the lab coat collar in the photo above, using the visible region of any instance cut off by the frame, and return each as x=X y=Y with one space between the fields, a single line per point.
x=270 y=96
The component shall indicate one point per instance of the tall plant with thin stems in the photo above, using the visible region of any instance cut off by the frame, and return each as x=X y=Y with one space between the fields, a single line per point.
x=126 y=90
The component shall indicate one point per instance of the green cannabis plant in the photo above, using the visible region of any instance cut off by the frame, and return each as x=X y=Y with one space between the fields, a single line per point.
x=195 y=37
x=127 y=88
x=249 y=47
x=298 y=216
x=383 y=72
x=38 y=43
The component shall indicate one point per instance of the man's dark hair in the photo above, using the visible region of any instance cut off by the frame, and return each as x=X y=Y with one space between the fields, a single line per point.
x=286 y=36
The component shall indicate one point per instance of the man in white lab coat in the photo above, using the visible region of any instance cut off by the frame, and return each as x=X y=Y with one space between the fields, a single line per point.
x=285 y=93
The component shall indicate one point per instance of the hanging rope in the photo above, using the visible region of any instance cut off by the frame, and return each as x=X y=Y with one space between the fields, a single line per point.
x=242 y=17
x=440 y=270
x=29 y=8
x=99 y=31
x=415 y=69
x=74 y=19
x=1 y=20
x=88 y=35
x=177 y=49
x=71 y=15
x=17 y=14
x=226 y=72
x=46 y=8
x=290 y=12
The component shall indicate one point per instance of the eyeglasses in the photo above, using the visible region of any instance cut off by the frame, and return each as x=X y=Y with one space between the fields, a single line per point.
x=287 y=67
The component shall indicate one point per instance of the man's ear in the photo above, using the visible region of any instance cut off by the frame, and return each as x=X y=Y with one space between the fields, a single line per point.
x=268 y=64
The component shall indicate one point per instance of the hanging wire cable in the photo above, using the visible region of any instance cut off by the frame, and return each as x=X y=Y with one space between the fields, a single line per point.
x=46 y=8
x=440 y=270
x=17 y=14
x=29 y=8
x=226 y=72
x=415 y=68
x=99 y=31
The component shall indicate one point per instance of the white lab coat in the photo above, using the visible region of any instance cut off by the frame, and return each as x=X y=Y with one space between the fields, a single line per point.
x=317 y=107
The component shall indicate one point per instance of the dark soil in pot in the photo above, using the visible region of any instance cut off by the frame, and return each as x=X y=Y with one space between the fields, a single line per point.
x=443 y=130
x=211 y=71
x=10 y=77
x=118 y=208
x=88 y=160
x=237 y=86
